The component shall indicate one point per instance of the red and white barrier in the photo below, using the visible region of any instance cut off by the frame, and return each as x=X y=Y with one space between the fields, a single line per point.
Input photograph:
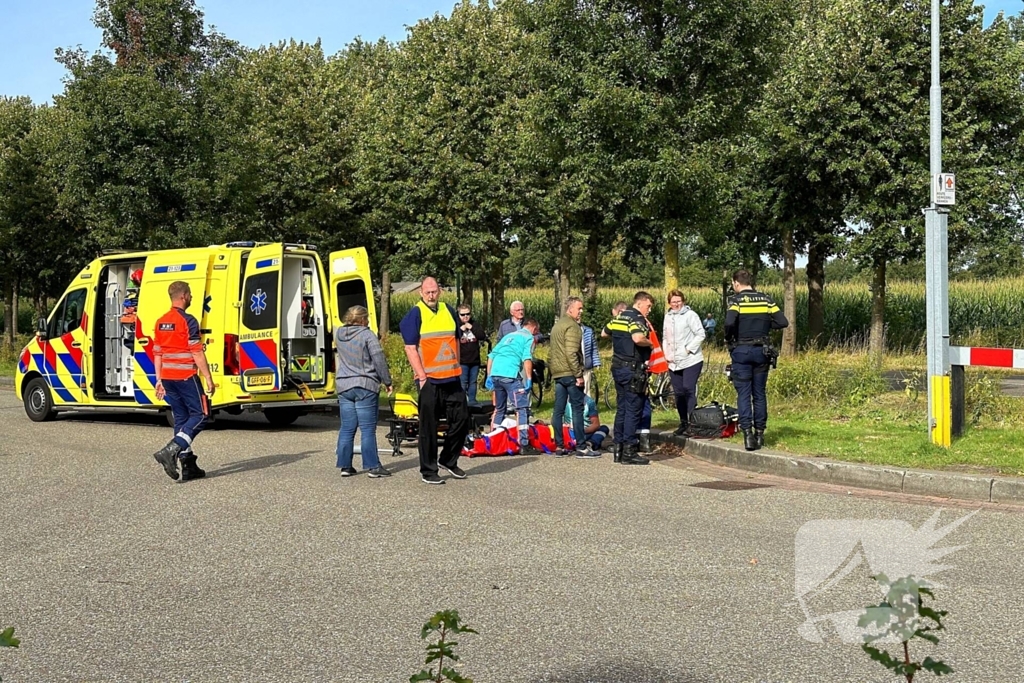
x=991 y=358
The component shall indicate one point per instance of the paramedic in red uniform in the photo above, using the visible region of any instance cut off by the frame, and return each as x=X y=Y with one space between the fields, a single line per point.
x=178 y=354
x=432 y=347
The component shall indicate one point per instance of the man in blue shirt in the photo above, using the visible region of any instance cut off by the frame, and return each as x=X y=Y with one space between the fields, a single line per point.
x=509 y=372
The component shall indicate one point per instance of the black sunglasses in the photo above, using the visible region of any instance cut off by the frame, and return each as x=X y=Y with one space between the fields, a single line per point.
x=464 y=315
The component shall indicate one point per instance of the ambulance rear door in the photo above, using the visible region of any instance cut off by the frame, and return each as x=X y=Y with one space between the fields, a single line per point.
x=349 y=276
x=259 y=333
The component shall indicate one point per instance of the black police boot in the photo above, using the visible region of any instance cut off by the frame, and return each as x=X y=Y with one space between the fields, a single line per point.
x=190 y=470
x=750 y=440
x=617 y=456
x=168 y=457
x=681 y=429
x=759 y=434
x=644 y=442
x=630 y=456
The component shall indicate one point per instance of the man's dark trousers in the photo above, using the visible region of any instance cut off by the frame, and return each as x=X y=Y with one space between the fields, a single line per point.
x=750 y=377
x=567 y=391
x=629 y=407
x=189 y=408
x=435 y=400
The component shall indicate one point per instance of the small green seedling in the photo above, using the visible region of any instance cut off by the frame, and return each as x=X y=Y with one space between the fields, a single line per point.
x=903 y=615
x=7 y=639
x=444 y=624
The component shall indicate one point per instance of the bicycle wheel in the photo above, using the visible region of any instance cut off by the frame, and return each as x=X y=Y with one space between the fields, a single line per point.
x=662 y=394
x=536 y=394
x=609 y=394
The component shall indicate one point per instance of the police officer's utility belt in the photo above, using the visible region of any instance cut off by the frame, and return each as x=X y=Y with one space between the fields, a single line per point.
x=761 y=341
x=631 y=363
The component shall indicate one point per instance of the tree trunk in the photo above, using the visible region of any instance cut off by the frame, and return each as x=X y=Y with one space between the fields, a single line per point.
x=8 y=311
x=592 y=268
x=671 y=265
x=485 y=306
x=467 y=290
x=815 y=294
x=497 y=293
x=384 y=323
x=876 y=347
x=14 y=312
x=789 y=291
x=562 y=277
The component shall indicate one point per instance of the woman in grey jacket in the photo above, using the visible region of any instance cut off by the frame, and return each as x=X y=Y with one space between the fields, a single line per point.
x=361 y=369
x=681 y=340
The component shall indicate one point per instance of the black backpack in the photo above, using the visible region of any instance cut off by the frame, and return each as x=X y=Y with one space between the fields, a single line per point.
x=713 y=421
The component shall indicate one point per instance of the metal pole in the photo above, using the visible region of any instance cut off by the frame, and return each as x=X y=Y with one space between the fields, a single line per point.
x=937 y=268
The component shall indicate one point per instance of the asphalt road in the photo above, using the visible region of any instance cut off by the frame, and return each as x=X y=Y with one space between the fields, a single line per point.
x=275 y=568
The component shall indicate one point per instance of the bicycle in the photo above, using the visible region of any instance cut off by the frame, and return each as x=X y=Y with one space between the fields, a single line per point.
x=659 y=391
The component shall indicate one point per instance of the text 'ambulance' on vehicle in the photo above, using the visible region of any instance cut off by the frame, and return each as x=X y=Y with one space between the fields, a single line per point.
x=266 y=314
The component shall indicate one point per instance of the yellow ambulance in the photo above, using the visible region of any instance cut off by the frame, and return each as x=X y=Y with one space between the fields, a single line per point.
x=266 y=313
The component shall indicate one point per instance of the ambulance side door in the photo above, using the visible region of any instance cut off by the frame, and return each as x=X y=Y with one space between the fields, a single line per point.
x=163 y=268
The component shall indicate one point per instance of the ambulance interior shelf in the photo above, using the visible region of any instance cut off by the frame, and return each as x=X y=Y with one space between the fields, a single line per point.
x=121 y=283
x=303 y=330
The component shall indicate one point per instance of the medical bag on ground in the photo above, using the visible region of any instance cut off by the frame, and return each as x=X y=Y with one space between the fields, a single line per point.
x=501 y=441
x=713 y=421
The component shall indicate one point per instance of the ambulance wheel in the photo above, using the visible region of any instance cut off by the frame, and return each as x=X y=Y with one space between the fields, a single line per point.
x=169 y=416
x=38 y=401
x=281 y=417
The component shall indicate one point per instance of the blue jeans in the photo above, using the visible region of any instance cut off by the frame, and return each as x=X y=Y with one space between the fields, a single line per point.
x=506 y=388
x=566 y=391
x=470 y=374
x=750 y=377
x=189 y=407
x=358 y=408
x=629 y=407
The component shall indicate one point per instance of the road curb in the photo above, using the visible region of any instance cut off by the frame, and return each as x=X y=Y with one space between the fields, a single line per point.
x=6 y=381
x=821 y=470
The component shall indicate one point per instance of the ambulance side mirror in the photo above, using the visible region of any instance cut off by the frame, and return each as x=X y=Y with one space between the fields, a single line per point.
x=41 y=328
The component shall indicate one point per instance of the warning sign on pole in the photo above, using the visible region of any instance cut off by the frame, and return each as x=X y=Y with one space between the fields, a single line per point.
x=945 y=189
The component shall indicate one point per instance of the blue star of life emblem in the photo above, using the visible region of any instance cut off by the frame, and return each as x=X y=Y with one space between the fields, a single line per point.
x=258 y=302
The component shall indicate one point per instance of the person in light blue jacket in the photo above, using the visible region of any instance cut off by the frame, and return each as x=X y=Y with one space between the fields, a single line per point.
x=681 y=340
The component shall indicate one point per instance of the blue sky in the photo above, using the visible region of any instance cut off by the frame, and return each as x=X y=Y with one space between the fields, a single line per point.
x=30 y=30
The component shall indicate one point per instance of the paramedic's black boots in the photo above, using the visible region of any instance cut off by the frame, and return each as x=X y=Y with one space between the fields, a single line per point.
x=168 y=458
x=190 y=470
x=630 y=457
x=750 y=440
x=617 y=455
x=759 y=433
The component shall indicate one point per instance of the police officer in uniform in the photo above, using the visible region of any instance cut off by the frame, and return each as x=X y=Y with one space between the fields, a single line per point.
x=177 y=355
x=631 y=346
x=432 y=347
x=751 y=316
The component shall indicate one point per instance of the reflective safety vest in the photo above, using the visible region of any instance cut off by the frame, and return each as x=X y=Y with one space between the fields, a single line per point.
x=438 y=345
x=171 y=343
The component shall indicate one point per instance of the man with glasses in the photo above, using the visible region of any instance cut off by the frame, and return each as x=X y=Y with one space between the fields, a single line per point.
x=514 y=323
x=432 y=347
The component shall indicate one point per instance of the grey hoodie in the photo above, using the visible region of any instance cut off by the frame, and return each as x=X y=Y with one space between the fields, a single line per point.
x=361 y=361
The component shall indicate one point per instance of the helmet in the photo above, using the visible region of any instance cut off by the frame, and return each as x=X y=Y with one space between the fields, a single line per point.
x=136 y=276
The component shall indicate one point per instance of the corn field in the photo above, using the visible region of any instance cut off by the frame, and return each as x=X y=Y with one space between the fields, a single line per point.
x=981 y=313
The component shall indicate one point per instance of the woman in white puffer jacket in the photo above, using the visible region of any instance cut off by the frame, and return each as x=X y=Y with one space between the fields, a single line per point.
x=681 y=339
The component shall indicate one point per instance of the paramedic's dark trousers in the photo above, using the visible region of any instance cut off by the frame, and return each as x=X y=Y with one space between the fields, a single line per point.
x=436 y=401
x=750 y=377
x=189 y=407
x=629 y=407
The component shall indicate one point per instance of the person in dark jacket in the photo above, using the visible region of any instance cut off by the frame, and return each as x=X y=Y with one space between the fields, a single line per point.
x=470 y=334
x=751 y=316
x=361 y=370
